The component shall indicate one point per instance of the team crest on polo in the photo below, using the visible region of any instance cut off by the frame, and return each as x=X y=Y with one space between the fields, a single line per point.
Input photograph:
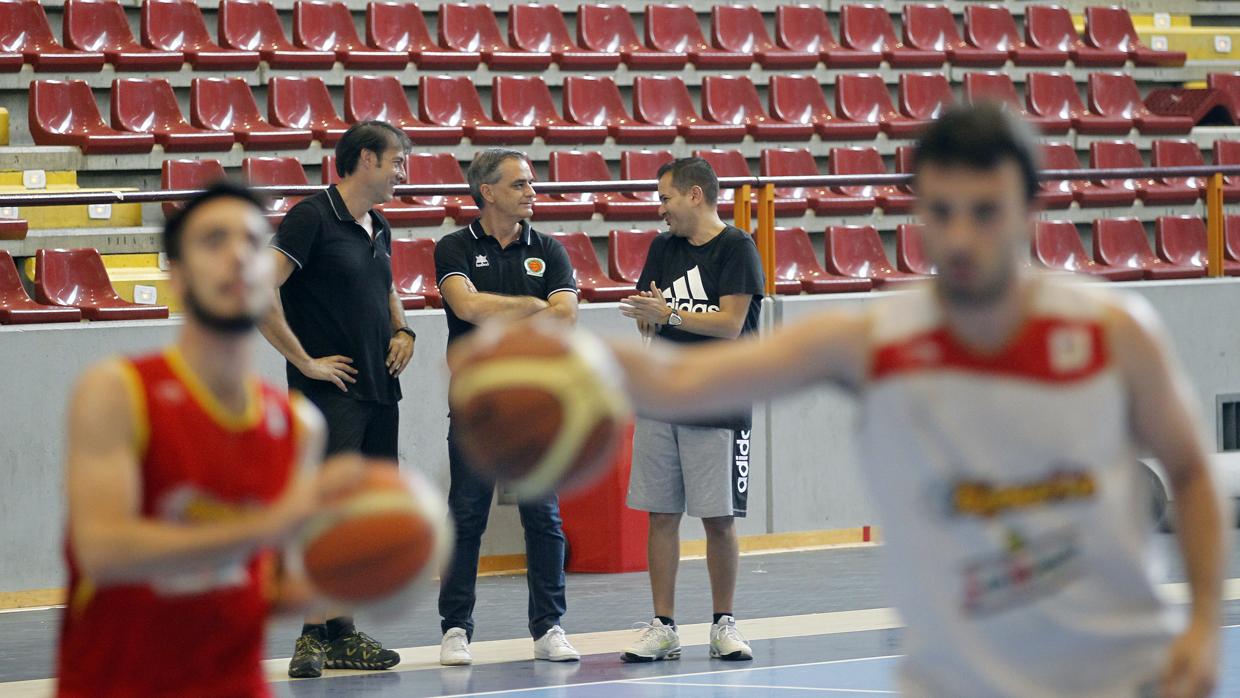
x=535 y=266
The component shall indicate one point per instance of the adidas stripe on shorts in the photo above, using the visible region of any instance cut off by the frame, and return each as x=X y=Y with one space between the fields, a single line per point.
x=700 y=471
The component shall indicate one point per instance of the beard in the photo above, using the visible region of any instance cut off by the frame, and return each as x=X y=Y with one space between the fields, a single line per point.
x=238 y=324
x=991 y=291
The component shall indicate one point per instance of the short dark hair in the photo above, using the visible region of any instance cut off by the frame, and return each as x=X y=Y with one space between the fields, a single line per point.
x=692 y=172
x=981 y=136
x=484 y=169
x=175 y=226
x=375 y=136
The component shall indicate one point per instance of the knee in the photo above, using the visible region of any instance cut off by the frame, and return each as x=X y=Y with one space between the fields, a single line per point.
x=719 y=526
x=664 y=522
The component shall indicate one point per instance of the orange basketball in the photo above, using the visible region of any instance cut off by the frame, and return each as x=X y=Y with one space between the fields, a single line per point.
x=539 y=406
x=385 y=537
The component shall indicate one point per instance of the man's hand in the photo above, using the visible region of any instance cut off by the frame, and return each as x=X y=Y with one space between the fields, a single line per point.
x=1192 y=667
x=309 y=494
x=647 y=306
x=333 y=369
x=400 y=351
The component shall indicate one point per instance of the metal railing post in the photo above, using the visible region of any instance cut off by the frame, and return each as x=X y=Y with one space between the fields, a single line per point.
x=1214 y=225
x=766 y=235
x=740 y=209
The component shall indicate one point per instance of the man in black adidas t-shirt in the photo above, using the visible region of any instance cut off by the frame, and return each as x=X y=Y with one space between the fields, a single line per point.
x=702 y=282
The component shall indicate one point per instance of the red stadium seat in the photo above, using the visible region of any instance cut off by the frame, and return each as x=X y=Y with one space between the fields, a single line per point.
x=626 y=253
x=1057 y=245
x=1121 y=242
x=178 y=25
x=304 y=103
x=905 y=154
x=863 y=98
x=1062 y=156
x=733 y=99
x=933 y=28
x=795 y=260
x=1050 y=27
x=584 y=166
x=77 y=279
x=63 y=112
x=806 y=28
x=413 y=273
x=866 y=160
x=609 y=28
x=16 y=308
x=100 y=25
x=992 y=27
x=910 y=255
x=593 y=284
x=638 y=165
x=924 y=96
x=1110 y=28
x=441 y=168
x=1228 y=86
x=799 y=162
x=664 y=100
x=1231 y=237
x=1116 y=95
x=148 y=105
x=1180 y=153
x=1182 y=240
x=467 y=27
x=1124 y=154
x=382 y=98
x=869 y=28
x=1200 y=105
x=1228 y=153
x=254 y=25
x=729 y=163
x=450 y=100
x=327 y=25
x=526 y=101
x=275 y=171
x=798 y=99
x=225 y=104
x=674 y=29
x=400 y=26
x=857 y=251
x=188 y=174
x=1059 y=193
x=596 y=101
x=24 y=30
x=1056 y=95
x=398 y=212
x=995 y=86
x=541 y=28
x=742 y=29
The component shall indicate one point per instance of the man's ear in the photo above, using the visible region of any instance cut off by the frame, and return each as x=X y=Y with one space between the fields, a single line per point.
x=696 y=195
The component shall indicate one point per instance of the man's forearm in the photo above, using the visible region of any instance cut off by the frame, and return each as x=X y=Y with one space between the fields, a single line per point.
x=713 y=323
x=275 y=328
x=1199 y=528
x=485 y=306
x=397 y=311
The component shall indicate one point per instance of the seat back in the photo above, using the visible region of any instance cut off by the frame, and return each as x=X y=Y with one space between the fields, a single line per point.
x=450 y=100
x=788 y=162
x=413 y=266
x=798 y=99
x=578 y=166
x=1115 y=94
x=74 y=277
x=726 y=163
x=990 y=86
x=1050 y=27
x=606 y=28
x=626 y=253
x=910 y=254
x=925 y=95
x=62 y=107
x=586 y=268
x=856 y=250
x=803 y=28
x=24 y=28
x=1113 y=155
x=1181 y=240
x=1121 y=242
x=274 y=171
x=739 y=28
x=1228 y=86
x=396 y=26
x=1179 y=152
x=1057 y=245
x=731 y=99
x=97 y=25
x=324 y=25
x=299 y=102
x=857 y=160
x=1061 y=156
x=251 y=25
x=522 y=101
x=1111 y=28
x=539 y=28
x=11 y=288
x=469 y=27
x=376 y=97
x=593 y=101
x=188 y=174
x=174 y=25
x=145 y=105
x=794 y=255
x=1053 y=94
x=674 y=29
x=662 y=99
x=990 y=27
x=867 y=28
x=437 y=168
x=222 y=104
x=1231 y=237
x=643 y=164
x=930 y=28
x=862 y=97
x=1227 y=153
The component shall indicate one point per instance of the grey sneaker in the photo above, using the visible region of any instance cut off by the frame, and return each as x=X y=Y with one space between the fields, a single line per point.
x=657 y=641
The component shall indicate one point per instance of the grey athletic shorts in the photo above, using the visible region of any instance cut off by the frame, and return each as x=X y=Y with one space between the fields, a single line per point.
x=701 y=471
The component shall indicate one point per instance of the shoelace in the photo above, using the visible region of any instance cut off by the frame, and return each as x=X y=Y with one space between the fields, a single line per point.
x=457 y=642
x=730 y=632
x=647 y=629
x=367 y=641
x=305 y=640
x=557 y=638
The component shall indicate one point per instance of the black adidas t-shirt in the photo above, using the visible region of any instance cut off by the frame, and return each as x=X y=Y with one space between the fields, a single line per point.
x=694 y=278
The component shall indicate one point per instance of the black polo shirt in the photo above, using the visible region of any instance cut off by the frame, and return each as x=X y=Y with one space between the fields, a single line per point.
x=337 y=300
x=533 y=265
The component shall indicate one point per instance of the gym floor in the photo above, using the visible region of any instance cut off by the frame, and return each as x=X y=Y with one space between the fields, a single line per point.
x=817 y=620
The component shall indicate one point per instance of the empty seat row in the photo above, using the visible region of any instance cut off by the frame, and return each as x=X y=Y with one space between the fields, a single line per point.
x=69 y=285
x=1123 y=192
x=1121 y=249
x=174 y=32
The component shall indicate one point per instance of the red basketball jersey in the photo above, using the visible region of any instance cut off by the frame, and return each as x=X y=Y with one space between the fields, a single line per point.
x=198 y=632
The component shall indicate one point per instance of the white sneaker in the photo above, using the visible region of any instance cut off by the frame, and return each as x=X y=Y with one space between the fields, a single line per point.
x=553 y=646
x=657 y=641
x=454 y=649
x=726 y=641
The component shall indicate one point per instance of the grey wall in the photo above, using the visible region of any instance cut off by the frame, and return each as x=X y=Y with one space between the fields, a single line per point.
x=804 y=478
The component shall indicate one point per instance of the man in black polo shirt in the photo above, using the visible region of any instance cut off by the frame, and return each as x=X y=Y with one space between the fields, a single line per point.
x=500 y=267
x=341 y=327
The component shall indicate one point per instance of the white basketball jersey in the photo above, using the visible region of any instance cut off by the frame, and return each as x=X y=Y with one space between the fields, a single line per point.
x=1015 y=517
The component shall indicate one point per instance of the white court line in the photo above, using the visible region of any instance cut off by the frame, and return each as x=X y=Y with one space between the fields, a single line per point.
x=771 y=688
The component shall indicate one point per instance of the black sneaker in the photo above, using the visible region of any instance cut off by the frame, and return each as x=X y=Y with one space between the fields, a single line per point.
x=357 y=650
x=308 y=656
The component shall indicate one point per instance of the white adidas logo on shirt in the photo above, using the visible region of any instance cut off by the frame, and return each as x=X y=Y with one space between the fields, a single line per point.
x=687 y=289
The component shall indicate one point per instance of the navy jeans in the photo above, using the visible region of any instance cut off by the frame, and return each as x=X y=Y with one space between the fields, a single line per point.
x=469 y=499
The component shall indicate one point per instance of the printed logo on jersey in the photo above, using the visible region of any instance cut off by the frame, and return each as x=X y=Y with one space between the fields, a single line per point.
x=1071 y=348
x=481 y=261
x=986 y=500
x=535 y=266
x=687 y=294
x=1027 y=569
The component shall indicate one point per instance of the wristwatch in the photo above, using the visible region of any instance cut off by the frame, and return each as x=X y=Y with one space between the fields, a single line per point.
x=674 y=320
x=409 y=331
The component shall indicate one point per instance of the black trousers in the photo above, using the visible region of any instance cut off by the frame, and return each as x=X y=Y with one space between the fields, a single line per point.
x=369 y=428
x=469 y=499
